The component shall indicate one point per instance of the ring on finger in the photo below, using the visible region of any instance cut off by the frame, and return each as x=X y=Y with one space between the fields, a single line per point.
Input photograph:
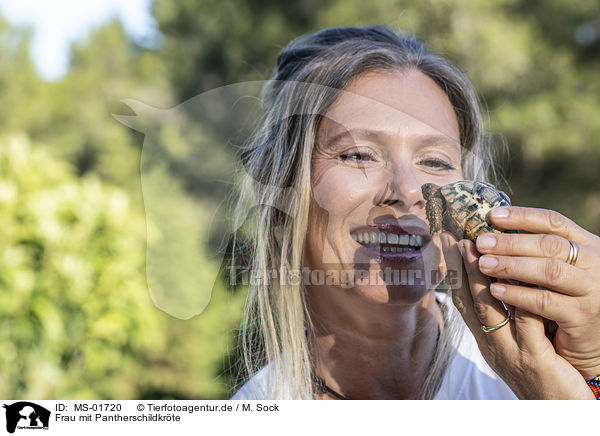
x=573 y=253
x=490 y=329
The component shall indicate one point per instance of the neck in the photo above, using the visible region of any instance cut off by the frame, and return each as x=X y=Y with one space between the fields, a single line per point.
x=368 y=350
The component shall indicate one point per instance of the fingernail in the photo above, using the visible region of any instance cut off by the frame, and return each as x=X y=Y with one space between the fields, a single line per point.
x=499 y=212
x=497 y=289
x=486 y=241
x=461 y=249
x=488 y=262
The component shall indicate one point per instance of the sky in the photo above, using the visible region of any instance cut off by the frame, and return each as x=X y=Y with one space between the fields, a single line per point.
x=58 y=23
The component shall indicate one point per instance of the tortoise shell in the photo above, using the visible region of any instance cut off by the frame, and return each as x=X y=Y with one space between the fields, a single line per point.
x=462 y=208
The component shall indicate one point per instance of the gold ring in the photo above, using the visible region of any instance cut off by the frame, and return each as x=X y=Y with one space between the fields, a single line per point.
x=573 y=253
x=493 y=328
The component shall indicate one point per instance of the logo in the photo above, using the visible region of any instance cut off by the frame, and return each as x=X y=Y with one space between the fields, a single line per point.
x=26 y=415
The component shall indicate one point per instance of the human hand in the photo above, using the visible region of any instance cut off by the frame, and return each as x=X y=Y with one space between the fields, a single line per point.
x=519 y=352
x=567 y=294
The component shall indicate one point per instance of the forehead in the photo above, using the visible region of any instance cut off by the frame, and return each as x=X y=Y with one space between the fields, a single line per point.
x=403 y=102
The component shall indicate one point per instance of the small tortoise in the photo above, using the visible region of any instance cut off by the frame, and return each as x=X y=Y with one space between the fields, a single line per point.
x=462 y=207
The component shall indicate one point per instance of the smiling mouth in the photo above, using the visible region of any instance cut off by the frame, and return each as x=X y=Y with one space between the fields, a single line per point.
x=388 y=242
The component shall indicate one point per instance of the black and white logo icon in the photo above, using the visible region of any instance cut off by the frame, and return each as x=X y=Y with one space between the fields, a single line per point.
x=26 y=415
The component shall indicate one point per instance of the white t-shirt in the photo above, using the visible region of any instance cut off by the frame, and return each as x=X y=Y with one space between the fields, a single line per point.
x=468 y=377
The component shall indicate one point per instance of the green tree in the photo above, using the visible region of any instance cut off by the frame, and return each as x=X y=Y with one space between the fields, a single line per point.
x=212 y=43
x=75 y=312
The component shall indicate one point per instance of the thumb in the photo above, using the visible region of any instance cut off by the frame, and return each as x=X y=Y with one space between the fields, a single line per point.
x=455 y=274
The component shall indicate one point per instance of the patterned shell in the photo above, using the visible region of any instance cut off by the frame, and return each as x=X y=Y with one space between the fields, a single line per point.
x=466 y=206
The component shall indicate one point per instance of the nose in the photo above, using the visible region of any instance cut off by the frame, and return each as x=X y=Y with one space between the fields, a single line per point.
x=402 y=189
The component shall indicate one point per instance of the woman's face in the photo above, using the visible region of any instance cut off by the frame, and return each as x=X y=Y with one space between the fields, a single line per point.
x=386 y=135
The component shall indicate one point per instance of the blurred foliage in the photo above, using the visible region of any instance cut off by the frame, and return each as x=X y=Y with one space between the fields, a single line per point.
x=104 y=70
x=77 y=317
x=219 y=42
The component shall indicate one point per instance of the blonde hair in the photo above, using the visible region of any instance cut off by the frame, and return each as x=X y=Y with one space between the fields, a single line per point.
x=311 y=71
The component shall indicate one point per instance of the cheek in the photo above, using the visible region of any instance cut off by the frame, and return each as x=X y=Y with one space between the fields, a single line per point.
x=342 y=190
x=335 y=199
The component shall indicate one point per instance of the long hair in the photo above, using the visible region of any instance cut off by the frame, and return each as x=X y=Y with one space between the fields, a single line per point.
x=310 y=74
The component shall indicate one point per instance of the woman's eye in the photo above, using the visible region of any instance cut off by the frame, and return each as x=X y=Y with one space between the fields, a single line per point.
x=356 y=157
x=437 y=163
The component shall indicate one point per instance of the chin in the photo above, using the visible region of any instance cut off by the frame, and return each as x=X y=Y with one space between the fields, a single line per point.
x=386 y=285
x=392 y=295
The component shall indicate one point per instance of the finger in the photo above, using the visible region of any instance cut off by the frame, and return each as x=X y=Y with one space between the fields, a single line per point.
x=530 y=332
x=509 y=307
x=542 y=302
x=547 y=273
x=488 y=310
x=535 y=245
x=455 y=274
x=461 y=295
x=535 y=220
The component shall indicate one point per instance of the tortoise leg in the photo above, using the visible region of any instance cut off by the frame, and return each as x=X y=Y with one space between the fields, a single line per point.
x=435 y=211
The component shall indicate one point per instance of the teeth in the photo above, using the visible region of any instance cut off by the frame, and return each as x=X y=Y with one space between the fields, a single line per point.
x=405 y=249
x=375 y=238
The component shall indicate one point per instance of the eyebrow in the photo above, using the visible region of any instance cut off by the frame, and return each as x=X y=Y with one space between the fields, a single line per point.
x=376 y=135
x=429 y=140
x=355 y=133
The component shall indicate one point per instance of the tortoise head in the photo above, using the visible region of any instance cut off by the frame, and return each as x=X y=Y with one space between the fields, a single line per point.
x=429 y=190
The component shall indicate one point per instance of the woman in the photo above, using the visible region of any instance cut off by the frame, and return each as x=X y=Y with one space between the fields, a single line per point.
x=358 y=119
